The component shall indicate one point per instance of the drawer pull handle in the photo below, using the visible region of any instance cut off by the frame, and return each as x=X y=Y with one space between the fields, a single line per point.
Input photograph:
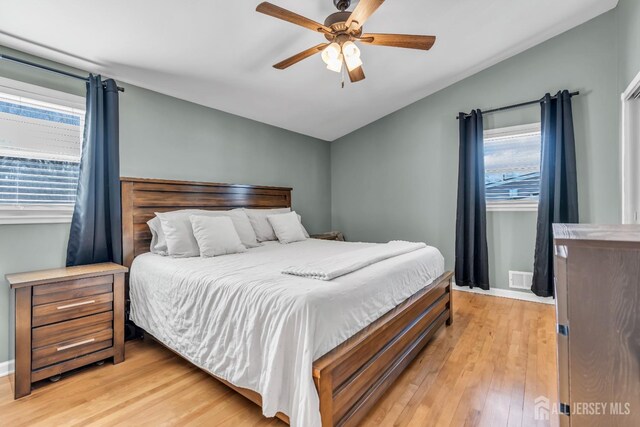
x=62 y=307
x=75 y=344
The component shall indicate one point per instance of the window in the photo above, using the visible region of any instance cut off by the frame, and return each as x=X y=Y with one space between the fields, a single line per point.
x=41 y=134
x=512 y=167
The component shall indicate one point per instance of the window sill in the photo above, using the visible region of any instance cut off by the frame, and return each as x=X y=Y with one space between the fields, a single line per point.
x=512 y=207
x=35 y=215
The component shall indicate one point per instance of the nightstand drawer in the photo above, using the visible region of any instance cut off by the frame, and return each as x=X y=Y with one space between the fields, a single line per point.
x=70 y=349
x=71 y=309
x=71 y=329
x=72 y=289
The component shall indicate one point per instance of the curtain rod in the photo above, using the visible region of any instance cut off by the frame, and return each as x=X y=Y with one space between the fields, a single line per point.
x=46 y=68
x=522 y=104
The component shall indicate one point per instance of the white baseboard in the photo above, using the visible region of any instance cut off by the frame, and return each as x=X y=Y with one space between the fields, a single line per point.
x=6 y=368
x=507 y=293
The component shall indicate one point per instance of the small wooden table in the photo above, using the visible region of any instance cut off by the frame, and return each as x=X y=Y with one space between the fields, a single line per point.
x=330 y=235
x=66 y=318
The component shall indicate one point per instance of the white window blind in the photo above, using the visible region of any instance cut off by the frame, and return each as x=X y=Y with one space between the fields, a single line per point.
x=512 y=166
x=40 y=145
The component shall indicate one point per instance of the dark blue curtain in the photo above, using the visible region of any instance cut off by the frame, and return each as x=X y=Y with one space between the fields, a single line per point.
x=558 y=185
x=95 y=227
x=472 y=261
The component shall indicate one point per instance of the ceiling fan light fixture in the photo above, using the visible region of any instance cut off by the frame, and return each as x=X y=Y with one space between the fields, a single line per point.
x=353 y=62
x=331 y=53
x=335 y=64
x=350 y=50
x=351 y=54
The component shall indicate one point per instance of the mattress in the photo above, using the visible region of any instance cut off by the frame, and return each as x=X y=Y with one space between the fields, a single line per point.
x=239 y=318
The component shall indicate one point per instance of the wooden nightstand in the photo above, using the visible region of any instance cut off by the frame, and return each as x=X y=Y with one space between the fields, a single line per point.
x=331 y=235
x=66 y=318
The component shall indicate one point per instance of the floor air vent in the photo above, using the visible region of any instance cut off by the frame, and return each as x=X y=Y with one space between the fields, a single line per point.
x=520 y=279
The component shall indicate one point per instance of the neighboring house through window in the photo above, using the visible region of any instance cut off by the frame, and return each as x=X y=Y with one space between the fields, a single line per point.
x=512 y=167
x=41 y=133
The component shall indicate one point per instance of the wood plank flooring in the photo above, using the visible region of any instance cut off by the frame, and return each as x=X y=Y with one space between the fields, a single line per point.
x=486 y=370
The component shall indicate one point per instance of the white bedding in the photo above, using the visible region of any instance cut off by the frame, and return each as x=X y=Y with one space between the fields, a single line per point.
x=238 y=317
x=345 y=263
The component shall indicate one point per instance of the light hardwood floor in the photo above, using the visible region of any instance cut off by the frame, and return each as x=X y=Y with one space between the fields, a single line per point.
x=486 y=369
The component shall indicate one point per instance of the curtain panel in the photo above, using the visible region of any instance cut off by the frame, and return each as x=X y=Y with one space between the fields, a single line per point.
x=96 y=223
x=472 y=261
x=558 y=185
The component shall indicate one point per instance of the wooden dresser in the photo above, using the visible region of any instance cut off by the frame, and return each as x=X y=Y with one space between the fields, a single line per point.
x=64 y=319
x=597 y=271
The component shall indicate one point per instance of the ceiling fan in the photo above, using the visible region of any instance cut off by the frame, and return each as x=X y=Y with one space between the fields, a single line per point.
x=342 y=29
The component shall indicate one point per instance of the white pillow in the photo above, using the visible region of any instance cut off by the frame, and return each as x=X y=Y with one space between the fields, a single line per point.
x=287 y=227
x=306 y=233
x=158 y=242
x=216 y=235
x=190 y=247
x=178 y=234
x=243 y=227
x=261 y=226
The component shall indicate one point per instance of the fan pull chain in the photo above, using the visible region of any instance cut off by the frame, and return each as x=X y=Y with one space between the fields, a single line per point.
x=342 y=77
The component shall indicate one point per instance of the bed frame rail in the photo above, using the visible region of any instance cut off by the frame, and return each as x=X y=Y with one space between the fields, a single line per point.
x=353 y=376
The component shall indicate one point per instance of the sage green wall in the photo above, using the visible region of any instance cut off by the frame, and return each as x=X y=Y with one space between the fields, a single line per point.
x=628 y=12
x=397 y=177
x=164 y=137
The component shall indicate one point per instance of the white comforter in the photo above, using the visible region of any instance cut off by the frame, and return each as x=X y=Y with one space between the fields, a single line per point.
x=238 y=317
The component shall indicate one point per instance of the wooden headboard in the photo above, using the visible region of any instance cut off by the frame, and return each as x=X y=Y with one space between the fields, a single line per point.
x=142 y=197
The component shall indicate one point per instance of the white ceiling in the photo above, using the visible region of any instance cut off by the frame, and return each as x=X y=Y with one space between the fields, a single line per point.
x=219 y=53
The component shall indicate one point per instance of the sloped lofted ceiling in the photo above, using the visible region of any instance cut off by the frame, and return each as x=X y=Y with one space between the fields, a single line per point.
x=220 y=53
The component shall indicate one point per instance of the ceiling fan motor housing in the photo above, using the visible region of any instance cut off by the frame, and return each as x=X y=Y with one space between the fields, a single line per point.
x=337 y=22
x=342 y=5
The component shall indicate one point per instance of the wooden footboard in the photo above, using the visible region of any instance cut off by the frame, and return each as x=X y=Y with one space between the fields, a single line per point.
x=353 y=376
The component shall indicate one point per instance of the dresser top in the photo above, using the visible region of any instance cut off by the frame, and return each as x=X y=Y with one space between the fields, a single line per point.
x=568 y=233
x=19 y=280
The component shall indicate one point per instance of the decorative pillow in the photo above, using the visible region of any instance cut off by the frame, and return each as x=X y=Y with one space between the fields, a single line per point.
x=178 y=234
x=260 y=223
x=243 y=227
x=158 y=242
x=238 y=216
x=287 y=227
x=306 y=233
x=216 y=235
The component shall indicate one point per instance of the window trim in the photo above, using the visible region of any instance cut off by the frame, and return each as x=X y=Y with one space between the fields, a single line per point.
x=38 y=214
x=512 y=205
x=35 y=214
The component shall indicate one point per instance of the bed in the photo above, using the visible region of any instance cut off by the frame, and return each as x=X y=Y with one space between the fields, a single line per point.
x=355 y=334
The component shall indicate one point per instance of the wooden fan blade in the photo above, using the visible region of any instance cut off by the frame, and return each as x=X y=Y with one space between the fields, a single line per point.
x=286 y=15
x=362 y=12
x=300 y=56
x=356 y=74
x=399 y=40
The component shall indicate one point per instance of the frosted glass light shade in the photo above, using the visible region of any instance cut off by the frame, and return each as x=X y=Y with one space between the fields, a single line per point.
x=335 y=64
x=350 y=50
x=353 y=62
x=331 y=53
